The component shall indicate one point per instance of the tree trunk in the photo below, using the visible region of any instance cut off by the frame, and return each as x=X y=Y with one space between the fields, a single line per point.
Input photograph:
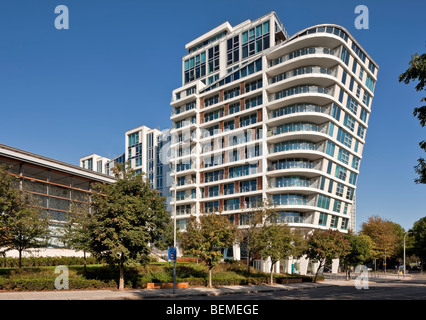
x=210 y=278
x=316 y=274
x=20 y=260
x=121 y=281
x=272 y=273
x=85 y=261
x=347 y=274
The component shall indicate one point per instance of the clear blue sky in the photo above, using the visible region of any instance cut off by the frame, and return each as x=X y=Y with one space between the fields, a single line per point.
x=65 y=94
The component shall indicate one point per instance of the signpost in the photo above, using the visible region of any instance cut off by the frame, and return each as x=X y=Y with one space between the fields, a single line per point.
x=172 y=256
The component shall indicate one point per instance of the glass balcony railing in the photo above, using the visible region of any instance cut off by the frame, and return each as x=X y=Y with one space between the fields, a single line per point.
x=294 y=164
x=297 y=126
x=302 y=71
x=302 y=52
x=301 y=90
x=299 y=108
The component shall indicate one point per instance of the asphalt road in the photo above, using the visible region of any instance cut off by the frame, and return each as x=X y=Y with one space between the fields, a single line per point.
x=393 y=290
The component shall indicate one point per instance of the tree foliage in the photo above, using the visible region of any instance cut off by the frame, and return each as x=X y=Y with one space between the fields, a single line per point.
x=384 y=234
x=127 y=217
x=418 y=233
x=360 y=250
x=205 y=238
x=417 y=72
x=324 y=246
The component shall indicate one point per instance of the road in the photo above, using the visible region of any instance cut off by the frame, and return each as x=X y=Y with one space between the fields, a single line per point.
x=392 y=290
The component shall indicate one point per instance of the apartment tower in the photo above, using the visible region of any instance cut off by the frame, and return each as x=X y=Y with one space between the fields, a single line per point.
x=264 y=116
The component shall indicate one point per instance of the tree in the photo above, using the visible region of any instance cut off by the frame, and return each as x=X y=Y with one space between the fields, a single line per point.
x=127 y=217
x=418 y=232
x=326 y=245
x=214 y=232
x=23 y=225
x=75 y=233
x=417 y=71
x=361 y=250
x=250 y=236
x=277 y=244
x=384 y=235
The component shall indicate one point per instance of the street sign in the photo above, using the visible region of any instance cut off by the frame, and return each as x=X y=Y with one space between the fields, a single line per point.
x=172 y=254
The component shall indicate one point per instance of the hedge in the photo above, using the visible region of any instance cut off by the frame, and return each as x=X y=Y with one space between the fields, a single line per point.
x=40 y=284
x=10 y=262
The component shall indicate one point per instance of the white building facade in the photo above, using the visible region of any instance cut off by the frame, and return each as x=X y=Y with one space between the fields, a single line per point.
x=264 y=116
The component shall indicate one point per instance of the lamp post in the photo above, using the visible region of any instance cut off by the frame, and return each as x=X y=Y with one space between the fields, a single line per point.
x=404 y=254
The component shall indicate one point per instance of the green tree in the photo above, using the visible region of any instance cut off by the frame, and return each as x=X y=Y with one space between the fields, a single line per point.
x=75 y=233
x=277 y=244
x=384 y=235
x=250 y=235
x=417 y=72
x=214 y=232
x=23 y=225
x=418 y=233
x=361 y=250
x=128 y=217
x=324 y=246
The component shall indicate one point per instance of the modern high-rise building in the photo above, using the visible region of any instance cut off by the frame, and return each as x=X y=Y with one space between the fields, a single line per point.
x=146 y=151
x=264 y=116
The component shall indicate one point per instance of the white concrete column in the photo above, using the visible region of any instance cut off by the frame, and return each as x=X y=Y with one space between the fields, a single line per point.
x=237 y=252
x=277 y=267
x=334 y=265
x=304 y=265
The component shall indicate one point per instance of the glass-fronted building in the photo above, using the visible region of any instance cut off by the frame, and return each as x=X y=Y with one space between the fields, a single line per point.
x=262 y=115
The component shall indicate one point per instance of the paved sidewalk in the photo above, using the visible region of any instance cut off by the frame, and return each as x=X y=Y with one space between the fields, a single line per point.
x=155 y=293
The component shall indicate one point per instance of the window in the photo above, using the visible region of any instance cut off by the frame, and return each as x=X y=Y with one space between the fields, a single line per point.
x=343 y=156
x=361 y=131
x=253 y=102
x=330 y=148
x=133 y=138
x=363 y=115
x=370 y=83
x=344 y=138
x=341 y=172
x=349 y=122
x=337 y=206
x=234 y=108
x=233 y=50
x=255 y=40
x=322 y=219
x=352 y=105
x=340 y=189
x=344 y=224
x=323 y=202
x=213 y=64
x=334 y=222
x=195 y=67
x=355 y=163
x=248 y=120
x=335 y=113
x=229 y=94
x=352 y=178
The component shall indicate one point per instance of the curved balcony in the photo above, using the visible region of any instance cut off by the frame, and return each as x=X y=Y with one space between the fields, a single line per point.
x=308 y=111
x=321 y=95
x=303 y=71
x=296 y=148
x=294 y=165
x=299 y=183
x=303 y=52
x=295 y=127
